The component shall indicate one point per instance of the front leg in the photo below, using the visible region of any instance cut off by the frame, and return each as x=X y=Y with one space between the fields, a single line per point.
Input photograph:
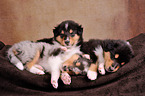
x=100 y=62
x=92 y=72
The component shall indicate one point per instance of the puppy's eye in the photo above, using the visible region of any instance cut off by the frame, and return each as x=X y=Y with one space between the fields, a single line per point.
x=72 y=34
x=61 y=35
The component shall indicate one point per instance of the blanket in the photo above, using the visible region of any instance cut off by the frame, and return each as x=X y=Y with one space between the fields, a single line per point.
x=128 y=80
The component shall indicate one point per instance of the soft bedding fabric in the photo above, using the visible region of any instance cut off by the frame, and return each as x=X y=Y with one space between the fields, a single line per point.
x=128 y=80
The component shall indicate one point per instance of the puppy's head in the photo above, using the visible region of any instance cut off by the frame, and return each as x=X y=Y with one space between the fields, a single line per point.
x=120 y=54
x=68 y=33
x=77 y=64
x=111 y=65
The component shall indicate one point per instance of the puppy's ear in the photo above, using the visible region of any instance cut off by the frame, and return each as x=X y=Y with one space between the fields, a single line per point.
x=80 y=30
x=56 y=31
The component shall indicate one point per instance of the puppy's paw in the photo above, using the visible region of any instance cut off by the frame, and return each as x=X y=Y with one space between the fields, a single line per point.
x=92 y=75
x=65 y=77
x=86 y=56
x=20 y=66
x=35 y=70
x=39 y=67
x=63 y=48
x=54 y=84
x=101 y=69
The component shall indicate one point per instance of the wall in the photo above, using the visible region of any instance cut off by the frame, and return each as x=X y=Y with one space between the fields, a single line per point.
x=35 y=19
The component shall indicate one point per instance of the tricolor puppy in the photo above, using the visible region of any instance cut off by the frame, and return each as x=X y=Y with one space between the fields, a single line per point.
x=106 y=55
x=68 y=34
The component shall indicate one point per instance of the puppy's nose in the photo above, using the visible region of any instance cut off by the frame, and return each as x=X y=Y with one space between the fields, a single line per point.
x=67 y=42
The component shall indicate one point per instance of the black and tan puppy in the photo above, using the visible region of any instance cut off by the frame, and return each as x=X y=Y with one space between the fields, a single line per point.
x=110 y=54
x=68 y=33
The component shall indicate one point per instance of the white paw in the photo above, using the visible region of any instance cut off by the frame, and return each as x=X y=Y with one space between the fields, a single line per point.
x=36 y=71
x=63 y=48
x=92 y=75
x=65 y=77
x=54 y=83
x=20 y=66
x=39 y=67
x=86 y=56
x=101 y=69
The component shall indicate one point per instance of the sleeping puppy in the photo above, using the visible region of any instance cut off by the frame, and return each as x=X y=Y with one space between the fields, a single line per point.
x=110 y=54
x=78 y=64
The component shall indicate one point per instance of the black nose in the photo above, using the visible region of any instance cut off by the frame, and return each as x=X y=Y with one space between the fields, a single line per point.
x=67 y=42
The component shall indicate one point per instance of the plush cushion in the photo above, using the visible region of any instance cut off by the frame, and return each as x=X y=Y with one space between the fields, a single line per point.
x=128 y=80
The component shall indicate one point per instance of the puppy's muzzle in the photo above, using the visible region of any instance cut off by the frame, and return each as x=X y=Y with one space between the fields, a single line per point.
x=114 y=67
x=67 y=42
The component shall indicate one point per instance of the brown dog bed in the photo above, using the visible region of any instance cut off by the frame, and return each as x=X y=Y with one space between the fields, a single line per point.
x=128 y=80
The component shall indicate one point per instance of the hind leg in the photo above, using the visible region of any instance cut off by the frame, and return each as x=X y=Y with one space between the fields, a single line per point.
x=37 y=69
x=54 y=78
x=14 y=60
x=33 y=67
x=19 y=65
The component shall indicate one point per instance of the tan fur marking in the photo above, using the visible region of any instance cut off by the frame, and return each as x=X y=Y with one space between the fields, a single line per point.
x=116 y=55
x=33 y=62
x=116 y=69
x=78 y=64
x=74 y=40
x=15 y=52
x=60 y=40
x=108 y=61
x=122 y=63
x=71 y=31
x=93 y=67
x=70 y=61
x=62 y=32
x=77 y=73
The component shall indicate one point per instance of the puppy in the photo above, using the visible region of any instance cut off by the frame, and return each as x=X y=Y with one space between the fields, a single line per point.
x=50 y=57
x=106 y=53
x=68 y=33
